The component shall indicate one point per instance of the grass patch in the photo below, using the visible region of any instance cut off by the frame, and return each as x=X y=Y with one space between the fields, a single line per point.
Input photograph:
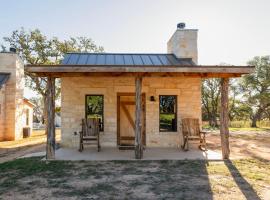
x=28 y=167
x=134 y=179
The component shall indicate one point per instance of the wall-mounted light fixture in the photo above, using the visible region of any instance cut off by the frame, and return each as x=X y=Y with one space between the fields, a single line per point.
x=152 y=98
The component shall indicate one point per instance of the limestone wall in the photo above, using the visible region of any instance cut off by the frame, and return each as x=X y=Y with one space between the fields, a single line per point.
x=74 y=89
x=2 y=112
x=13 y=95
x=183 y=44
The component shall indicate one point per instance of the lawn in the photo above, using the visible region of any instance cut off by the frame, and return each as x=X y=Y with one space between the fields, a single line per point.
x=31 y=178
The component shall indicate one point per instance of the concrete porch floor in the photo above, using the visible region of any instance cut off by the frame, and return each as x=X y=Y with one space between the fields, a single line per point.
x=112 y=153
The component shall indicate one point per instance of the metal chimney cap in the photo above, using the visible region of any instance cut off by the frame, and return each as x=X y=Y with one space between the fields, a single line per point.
x=181 y=25
x=12 y=50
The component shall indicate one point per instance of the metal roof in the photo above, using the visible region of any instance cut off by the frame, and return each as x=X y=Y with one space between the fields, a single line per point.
x=117 y=59
x=3 y=78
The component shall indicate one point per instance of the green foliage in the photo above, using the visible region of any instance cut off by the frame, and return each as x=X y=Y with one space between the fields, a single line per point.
x=94 y=104
x=256 y=88
x=211 y=100
x=35 y=48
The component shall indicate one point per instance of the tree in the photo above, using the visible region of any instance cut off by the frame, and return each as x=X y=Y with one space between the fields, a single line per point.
x=210 y=100
x=38 y=109
x=256 y=88
x=35 y=48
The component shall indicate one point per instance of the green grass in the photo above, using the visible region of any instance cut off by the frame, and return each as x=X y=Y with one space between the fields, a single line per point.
x=250 y=129
x=188 y=179
x=207 y=127
x=243 y=125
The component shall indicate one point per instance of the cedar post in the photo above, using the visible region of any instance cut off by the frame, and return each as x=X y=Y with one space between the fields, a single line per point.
x=50 y=99
x=138 y=120
x=224 y=118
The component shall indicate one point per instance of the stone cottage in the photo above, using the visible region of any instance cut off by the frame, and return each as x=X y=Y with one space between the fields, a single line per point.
x=15 y=111
x=108 y=86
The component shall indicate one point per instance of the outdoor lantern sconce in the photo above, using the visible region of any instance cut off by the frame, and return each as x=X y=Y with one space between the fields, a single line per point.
x=152 y=98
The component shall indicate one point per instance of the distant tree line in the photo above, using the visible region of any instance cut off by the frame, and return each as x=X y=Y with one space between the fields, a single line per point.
x=249 y=97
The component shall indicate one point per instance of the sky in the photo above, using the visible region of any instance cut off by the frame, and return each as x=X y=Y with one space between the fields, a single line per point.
x=230 y=31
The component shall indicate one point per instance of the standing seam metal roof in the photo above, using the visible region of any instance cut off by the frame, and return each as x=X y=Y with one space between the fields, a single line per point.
x=121 y=59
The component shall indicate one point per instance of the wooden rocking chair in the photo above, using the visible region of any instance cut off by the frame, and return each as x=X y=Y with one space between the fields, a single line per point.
x=191 y=131
x=89 y=133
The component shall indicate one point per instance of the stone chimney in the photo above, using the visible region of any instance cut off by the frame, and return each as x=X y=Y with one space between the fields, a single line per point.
x=183 y=43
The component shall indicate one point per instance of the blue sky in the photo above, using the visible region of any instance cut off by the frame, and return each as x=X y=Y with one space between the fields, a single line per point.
x=230 y=31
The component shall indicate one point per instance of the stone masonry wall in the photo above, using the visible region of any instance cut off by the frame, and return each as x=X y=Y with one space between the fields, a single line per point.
x=13 y=96
x=183 y=44
x=2 y=112
x=74 y=89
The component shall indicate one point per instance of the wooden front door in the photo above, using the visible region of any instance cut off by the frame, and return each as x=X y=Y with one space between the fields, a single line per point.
x=126 y=120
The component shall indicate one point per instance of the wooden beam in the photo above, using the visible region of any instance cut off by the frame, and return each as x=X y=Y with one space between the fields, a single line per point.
x=138 y=120
x=139 y=69
x=224 y=118
x=134 y=74
x=50 y=98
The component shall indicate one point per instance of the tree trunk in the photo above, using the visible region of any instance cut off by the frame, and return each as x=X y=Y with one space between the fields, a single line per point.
x=45 y=115
x=138 y=122
x=254 y=122
x=50 y=128
x=224 y=119
x=213 y=120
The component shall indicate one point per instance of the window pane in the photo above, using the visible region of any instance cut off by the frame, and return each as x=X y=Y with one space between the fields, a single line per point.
x=94 y=108
x=167 y=116
x=167 y=104
x=167 y=122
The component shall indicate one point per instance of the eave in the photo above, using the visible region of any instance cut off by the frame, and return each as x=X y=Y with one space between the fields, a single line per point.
x=151 y=70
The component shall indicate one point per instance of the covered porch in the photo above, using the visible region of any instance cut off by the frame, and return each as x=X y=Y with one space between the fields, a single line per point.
x=113 y=153
x=138 y=74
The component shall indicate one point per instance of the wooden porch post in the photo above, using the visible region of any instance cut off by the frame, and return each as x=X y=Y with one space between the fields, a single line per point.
x=50 y=99
x=138 y=122
x=224 y=119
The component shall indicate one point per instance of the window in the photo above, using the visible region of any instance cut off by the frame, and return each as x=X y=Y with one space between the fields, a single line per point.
x=27 y=117
x=94 y=105
x=168 y=113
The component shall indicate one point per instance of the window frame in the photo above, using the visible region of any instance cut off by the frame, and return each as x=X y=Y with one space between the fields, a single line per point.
x=85 y=108
x=175 y=113
x=27 y=114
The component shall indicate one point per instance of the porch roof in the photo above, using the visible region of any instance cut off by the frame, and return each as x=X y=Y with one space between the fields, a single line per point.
x=108 y=64
x=124 y=59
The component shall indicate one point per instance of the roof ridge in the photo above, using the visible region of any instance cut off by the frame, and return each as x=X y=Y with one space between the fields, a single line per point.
x=119 y=53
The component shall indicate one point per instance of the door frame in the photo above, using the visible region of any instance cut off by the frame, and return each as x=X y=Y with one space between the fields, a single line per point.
x=119 y=94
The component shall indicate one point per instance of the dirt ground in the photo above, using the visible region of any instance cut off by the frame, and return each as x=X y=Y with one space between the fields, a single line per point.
x=243 y=144
x=10 y=150
x=31 y=178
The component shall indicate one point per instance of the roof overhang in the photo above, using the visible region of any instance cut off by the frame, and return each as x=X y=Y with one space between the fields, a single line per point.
x=28 y=102
x=101 y=70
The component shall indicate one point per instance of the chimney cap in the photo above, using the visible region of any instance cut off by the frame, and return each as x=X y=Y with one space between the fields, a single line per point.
x=181 y=25
x=12 y=49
